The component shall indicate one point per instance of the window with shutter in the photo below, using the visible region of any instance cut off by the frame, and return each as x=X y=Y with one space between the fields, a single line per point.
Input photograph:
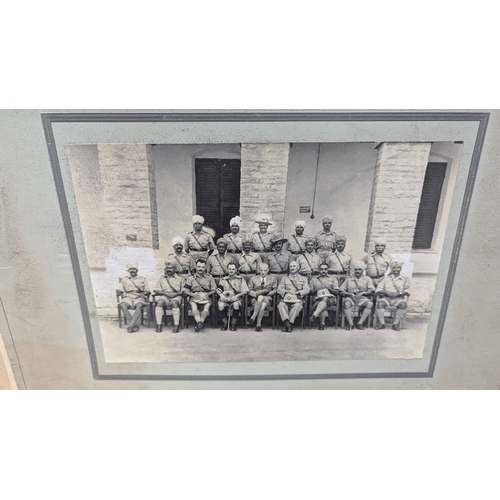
x=217 y=192
x=429 y=205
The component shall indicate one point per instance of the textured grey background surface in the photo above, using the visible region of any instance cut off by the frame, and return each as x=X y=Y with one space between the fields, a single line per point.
x=45 y=339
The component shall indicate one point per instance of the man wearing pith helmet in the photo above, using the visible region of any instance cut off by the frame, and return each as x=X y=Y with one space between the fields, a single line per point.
x=183 y=263
x=279 y=260
x=377 y=262
x=325 y=239
x=261 y=239
x=199 y=243
x=357 y=291
x=392 y=291
x=134 y=291
x=297 y=241
x=234 y=239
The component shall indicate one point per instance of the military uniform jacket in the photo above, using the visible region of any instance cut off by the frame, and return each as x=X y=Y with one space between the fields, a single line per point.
x=170 y=284
x=262 y=242
x=204 y=283
x=319 y=283
x=255 y=284
x=293 y=283
x=217 y=264
x=234 y=285
x=234 y=242
x=357 y=285
x=249 y=262
x=278 y=262
x=309 y=263
x=182 y=262
x=339 y=262
x=325 y=241
x=297 y=244
x=394 y=284
x=199 y=242
x=134 y=287
x=376 y=264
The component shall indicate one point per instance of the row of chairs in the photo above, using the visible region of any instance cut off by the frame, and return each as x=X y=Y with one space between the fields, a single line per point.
x=335 y=313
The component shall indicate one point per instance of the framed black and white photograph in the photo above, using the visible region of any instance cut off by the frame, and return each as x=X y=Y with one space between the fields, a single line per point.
x=347 y=224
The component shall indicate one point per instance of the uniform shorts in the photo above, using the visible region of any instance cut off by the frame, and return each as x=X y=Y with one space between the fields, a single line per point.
x=227 y=303
x=391 y=302
x=362 y=302
x=176 y=301
x=133 y=302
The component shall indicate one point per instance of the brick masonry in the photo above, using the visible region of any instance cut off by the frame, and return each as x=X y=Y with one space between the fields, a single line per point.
x=264 y=169
x=397 y=188
x=127 y=174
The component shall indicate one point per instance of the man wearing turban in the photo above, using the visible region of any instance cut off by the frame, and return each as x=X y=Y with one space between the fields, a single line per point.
x=183 y=263
x=199 y=243
x=234 y=239
x=297 y=241
x=377 y=262
x=339 y=262
x=325 y=239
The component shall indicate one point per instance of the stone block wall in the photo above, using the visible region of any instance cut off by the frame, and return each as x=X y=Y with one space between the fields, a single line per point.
x=127 y=175
x=397 y=188
x=264 y=169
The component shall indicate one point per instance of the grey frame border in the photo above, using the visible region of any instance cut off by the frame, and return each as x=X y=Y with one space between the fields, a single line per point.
x=49 y=118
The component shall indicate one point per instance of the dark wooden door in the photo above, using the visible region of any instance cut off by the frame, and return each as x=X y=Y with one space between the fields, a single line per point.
x=217 y=192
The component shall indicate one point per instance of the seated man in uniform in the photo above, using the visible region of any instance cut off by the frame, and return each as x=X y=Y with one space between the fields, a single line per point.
x=377 y=262
x=200 y=287
x=391 y=291
x=199 y=242
x=278 y=261
x=297 y=241
x=324 y=287
x=217 y=263
x=234 y=239
x=184 y=264
x=261 y=291
x=292 y=290
x=339 y=263
x=168 y=291
x=134 y=291
x=356 y=290
x=231 y=291
x=309 y=261
x=248 y=262
x=325 y=239
x=261 y=239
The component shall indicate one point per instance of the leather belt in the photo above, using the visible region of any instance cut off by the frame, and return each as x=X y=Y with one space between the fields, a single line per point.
x=275 y=272
x=295 y=253
x=198 y=250
x=247 y=272
x=219 y=275
x=234 y=251
x=337 y=272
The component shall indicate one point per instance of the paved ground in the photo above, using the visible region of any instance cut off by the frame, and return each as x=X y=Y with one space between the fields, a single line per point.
x=270 y=345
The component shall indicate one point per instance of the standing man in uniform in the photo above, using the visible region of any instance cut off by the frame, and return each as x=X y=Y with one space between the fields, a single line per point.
x=134 y=291
x=217 y=264
x=293 y=289
x=183 y=263
x=234 y=239
x=231 y=291
x=356 y=290
x=261 y=239
x=168 y=291
x=377 y=262
x=200 y=287
x=262 y=289
x=325 y=239
x=309 y=261
x=199 y=243
x=391 y=291
x=325 y=288
x=279 y=259
x=297 y=242
x=339 y=263
x=248 y=262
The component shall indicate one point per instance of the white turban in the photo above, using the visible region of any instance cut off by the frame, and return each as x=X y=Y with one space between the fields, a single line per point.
x=301 y=223
x=358 y=264
x=177 y=239
x=198 y=218
x=397 y=262
x=327 y=218
x=380 y=241
x=132 y=264
x=235 y=220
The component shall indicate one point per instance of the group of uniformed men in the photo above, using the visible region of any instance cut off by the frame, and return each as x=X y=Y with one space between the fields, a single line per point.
x=261 y=266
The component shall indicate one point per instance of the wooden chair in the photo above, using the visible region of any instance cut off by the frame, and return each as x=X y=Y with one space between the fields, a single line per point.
x=333 y=311
x=356 y=313
x=123 y=321
x=389 y=313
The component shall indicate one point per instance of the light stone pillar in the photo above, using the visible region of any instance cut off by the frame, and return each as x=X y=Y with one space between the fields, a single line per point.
x=397 y=188
x=127 y=176
x=264 y=169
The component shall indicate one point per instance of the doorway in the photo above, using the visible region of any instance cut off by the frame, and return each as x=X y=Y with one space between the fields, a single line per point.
x=217 y=192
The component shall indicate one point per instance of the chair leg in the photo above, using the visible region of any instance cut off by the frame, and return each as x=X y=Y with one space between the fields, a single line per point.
x=119 y=316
